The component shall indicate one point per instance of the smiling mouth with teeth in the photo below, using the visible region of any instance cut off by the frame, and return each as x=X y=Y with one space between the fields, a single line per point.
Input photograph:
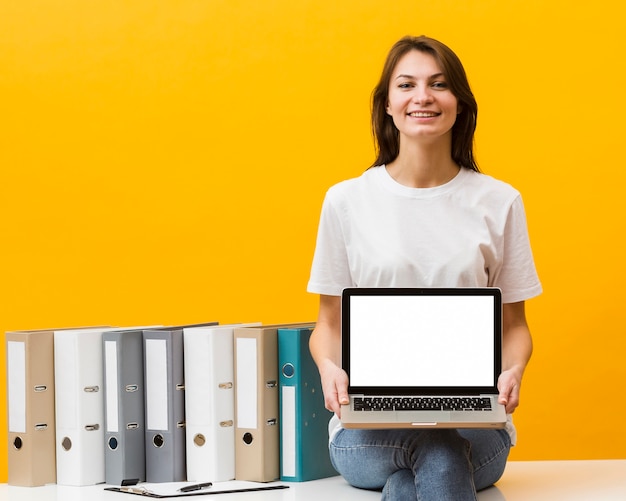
x=423 y=114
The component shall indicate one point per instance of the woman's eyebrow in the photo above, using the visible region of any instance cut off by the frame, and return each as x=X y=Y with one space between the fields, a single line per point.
x=411 y=77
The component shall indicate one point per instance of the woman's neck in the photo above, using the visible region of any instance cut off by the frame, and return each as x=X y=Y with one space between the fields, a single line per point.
x=423 y=166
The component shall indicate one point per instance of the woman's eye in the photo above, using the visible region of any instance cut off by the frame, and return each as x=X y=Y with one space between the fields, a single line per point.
x=405 y=85
x=440 y=85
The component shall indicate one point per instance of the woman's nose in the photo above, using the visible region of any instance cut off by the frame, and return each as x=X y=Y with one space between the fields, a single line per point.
x=422 y=95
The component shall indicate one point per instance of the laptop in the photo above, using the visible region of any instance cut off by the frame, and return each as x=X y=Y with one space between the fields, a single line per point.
x=422 y=357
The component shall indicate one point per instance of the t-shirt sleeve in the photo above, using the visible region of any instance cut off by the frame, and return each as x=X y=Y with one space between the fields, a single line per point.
x=330 y=271
x=517 y=276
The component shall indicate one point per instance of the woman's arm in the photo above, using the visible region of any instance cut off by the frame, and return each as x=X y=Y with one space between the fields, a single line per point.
x=325 y=346
x=517 y=347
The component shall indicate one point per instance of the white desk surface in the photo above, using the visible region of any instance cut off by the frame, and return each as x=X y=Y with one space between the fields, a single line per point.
x=596 y=480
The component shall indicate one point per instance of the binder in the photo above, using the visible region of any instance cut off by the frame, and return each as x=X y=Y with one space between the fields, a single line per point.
x=303 y=417
x=210 y=402
x=79 y=406
x=124 y=417
x=164 y=379
x=30 y=405
x=257 y=435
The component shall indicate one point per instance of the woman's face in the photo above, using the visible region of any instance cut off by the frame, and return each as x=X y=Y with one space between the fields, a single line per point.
x=420 y=101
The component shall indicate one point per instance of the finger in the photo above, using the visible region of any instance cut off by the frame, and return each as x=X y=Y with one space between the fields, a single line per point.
x=513 y=399
x=509 y=398
x=330 y=401
x=333 y=405
x=343 y=397
x=342 y=390
x=505 y=392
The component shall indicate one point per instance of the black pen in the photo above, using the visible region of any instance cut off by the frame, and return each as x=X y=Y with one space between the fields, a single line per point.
x=195 y=487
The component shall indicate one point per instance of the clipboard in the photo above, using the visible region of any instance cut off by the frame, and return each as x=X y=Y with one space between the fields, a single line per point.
x=171 y=489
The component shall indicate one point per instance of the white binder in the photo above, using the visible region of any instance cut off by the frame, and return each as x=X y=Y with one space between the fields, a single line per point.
x=79 y=406
x=210 y=402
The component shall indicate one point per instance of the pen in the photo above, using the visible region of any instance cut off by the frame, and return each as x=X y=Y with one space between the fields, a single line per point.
x=195 y=487
x=136 y=490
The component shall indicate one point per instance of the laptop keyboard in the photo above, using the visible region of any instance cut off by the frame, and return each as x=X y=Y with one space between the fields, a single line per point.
x=422 y=403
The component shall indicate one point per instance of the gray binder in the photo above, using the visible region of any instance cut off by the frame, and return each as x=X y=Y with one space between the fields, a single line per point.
x=164 y=375
x=124 y=453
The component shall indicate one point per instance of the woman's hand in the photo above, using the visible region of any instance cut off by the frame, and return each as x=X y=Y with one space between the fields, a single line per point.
x=325 y=345
x=334 y=385
x=509 y=384
x=516 y=351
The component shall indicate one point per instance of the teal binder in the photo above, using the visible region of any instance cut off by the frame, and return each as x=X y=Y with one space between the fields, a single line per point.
x=303 y=417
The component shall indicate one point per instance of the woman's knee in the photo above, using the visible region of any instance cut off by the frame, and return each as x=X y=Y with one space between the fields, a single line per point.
x=365 y=458
x=360 y=467
x=489 y=453
x=400 y=485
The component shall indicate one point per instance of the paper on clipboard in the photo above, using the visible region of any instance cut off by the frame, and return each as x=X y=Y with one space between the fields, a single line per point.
x=171 y=489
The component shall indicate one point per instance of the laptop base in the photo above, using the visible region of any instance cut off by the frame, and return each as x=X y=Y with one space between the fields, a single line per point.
x=493 y=419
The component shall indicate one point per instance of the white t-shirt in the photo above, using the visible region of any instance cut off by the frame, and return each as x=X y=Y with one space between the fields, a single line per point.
x=469 y=232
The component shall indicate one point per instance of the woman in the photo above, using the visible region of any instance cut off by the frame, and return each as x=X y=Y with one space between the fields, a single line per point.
x=422 y=216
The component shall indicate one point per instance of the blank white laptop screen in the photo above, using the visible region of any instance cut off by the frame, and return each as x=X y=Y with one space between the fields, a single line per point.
x=421 y=341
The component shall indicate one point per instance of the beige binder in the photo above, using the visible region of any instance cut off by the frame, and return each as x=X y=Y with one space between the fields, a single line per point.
x=30 y=404
x=257 y=431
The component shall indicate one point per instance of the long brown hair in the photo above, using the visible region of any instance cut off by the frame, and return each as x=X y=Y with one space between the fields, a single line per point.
x=385 y=132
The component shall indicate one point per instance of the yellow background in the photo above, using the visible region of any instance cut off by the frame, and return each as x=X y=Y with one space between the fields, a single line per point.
x=165 y=162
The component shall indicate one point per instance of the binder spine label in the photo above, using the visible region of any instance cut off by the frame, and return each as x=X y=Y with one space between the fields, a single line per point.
x=16 y=388
x=246 y=383
x=65 y=366
x=156 y=384
x=288 y=431
x=110 y=357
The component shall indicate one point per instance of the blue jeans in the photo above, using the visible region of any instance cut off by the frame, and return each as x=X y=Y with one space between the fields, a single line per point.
x=423 y=465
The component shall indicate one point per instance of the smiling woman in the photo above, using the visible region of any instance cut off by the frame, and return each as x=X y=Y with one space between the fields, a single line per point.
x=444 y=75
x=424 y=110
x=422 y=216
x=420 y=101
